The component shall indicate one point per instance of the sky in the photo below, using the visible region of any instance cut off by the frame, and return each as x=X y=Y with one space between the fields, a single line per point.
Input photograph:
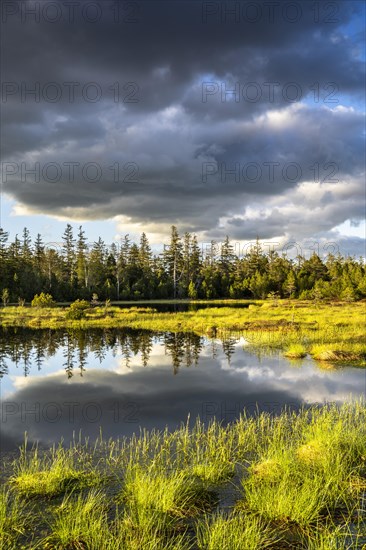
x=239 y=118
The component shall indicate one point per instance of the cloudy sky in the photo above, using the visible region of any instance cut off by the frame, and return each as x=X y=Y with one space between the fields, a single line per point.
x=239 y=118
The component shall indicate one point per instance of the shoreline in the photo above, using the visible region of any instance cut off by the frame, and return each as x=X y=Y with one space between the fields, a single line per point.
x=332 y=332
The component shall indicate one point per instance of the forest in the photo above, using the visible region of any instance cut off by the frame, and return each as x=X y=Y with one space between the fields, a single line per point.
x=131 y=271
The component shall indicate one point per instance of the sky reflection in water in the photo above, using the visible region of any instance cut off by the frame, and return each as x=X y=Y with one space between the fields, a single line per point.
x=56 y=384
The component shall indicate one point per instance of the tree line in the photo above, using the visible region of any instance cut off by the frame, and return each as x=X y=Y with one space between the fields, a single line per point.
x=131 y=271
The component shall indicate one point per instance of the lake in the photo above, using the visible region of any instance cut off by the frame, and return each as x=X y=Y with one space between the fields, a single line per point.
x=58 y=383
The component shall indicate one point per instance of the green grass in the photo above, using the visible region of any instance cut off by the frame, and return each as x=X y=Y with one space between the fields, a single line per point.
x=15 y=519
x=299 y=479
x=291 y=481
x=236 y=532
x=333 y=332
x=289 y=493
x=52 y=474
x=78 y=523
x=211 y=454
x=150 y=536
x=295 y=351
x=164 y=495
x=82 y=522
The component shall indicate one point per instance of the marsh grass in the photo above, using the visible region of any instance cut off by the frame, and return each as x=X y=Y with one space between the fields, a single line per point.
x=340 y=353
x=78 y=523
x=236 y=532
x=296 y=480
x=83 y=521
x=307 y=467
x=15 y=519
x=295 y=351
x=287 y=493
x=150 y=536
x=165 y=496
x=212 y=449
x=344 y=536
x=52 y=473
x=331 y=433
x=329 y=332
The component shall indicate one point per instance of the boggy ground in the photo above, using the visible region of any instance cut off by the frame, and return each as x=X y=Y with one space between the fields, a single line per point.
x=332 y=332
x=297 y=481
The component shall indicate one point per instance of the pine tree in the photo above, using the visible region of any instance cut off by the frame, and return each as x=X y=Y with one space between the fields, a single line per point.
x=38 y=264
x=4 y=263
x=69 y=256
x=38 y=254
x=121 y=268
x=256 y=259
x=82 y=271
x=290 y=284
x=226 y=266
x=97 y=267
x=196 y=262
x=181 y=270
x=134 y=272
x=173 y=258
x=145 y=264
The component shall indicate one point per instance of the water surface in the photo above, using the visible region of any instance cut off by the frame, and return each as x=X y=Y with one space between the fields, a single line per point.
x=57 y=383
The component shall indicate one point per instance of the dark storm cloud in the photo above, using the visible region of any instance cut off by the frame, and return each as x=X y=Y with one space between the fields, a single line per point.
x=174 y=119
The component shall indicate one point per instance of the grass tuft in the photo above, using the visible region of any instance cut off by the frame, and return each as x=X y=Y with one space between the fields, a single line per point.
x=295 y=351
x=15 y=519
x=52 y=474
x=78 y=523
x=236 y=532
x=164 y=496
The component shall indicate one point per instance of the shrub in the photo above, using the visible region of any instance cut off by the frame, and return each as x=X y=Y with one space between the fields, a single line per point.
x=43 y=300
x=77 y=309
x=348 y=294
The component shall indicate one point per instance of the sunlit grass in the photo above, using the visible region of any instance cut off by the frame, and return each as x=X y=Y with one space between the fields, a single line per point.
x=293 y=479
x=166 y=496
x=332 y=332
x=304 y=471
x=344 y=536
x=78 y=523
x=150 y=535
x=286 y=492
x=51 y=474
x=236 y=532
x=212 y=452
x=15 y=519
x=295 y=351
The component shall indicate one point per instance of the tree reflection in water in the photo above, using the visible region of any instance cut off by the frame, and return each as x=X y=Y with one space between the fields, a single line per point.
x=27 y=348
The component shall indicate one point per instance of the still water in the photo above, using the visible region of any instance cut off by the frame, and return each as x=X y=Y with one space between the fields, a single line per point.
x=57 y=383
